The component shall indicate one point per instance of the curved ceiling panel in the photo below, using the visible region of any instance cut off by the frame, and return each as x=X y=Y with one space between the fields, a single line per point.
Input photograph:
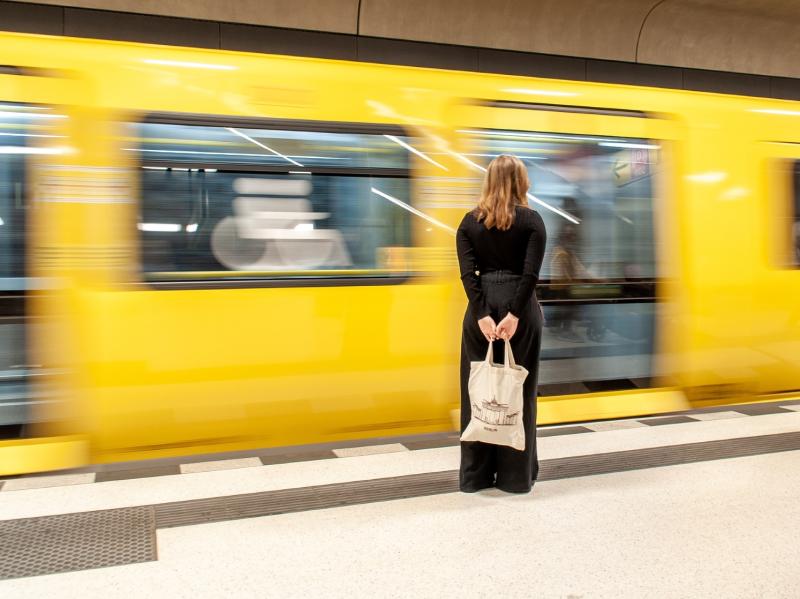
x=585 y=28
x=747 y=36
x=339 y=16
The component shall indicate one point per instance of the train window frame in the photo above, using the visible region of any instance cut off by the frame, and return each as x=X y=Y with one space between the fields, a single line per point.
x=299 y=125
x=632 y=289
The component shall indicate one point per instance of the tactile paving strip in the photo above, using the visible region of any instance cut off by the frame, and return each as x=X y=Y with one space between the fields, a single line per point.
x=670 y=455
x=69 y=542
x=268 y=503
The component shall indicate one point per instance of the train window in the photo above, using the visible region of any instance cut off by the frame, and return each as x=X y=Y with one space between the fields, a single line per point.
x=243 y=203
x=21 y=126
x=794 y=234
x=597 y=288
x=595 y=196
x=17 y=127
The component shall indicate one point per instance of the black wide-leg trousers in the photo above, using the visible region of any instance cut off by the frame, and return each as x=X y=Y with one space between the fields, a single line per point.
x=482 y=464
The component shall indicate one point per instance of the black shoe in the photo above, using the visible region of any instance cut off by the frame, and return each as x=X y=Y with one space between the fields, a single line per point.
x=519 y=491
x=471 y=489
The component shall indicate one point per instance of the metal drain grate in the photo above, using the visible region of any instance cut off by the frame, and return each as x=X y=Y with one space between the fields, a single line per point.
x=69 y=542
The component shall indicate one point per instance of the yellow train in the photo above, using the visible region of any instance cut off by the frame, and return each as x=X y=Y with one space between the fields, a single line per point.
x=208 y=251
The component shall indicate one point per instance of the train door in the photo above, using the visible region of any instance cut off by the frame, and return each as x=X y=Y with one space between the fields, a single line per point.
x=29 y=132
x=599 y=177
x=33 y=112
x=776 y=332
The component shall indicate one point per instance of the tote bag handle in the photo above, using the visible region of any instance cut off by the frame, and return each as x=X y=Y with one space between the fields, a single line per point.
x=508 y=355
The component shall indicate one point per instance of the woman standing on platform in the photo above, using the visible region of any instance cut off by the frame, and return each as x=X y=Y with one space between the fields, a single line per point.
x=500 y=248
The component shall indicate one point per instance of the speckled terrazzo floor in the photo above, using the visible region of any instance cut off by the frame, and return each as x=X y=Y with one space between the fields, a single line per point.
x=722 y=528
x=710 y=529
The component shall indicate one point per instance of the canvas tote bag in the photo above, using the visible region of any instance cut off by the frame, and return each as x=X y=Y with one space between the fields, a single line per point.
x=496 y=400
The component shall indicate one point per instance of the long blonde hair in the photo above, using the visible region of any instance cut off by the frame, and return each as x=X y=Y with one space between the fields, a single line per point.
x=504 y=186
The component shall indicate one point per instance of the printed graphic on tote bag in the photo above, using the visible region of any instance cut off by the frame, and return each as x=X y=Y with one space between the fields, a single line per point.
x=493 y=412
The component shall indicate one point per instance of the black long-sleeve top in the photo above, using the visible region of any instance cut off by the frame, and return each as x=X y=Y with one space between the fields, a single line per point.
x=519 y=249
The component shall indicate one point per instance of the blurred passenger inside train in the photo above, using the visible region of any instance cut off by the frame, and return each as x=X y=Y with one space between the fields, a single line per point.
x=566 y=270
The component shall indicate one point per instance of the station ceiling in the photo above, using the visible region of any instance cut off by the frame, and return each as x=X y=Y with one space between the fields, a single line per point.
x=745 y=36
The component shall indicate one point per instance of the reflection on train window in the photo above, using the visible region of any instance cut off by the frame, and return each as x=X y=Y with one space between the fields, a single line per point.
x=795 y=215
x=595 y=194
x=19 y=125
x=225 y=202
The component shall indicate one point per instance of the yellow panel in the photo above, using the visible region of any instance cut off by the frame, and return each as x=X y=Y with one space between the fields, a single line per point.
x=43 y=455
x=599 y=406
x=531 y=119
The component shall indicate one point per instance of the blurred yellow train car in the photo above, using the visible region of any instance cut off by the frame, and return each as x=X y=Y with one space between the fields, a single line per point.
x=206 y=251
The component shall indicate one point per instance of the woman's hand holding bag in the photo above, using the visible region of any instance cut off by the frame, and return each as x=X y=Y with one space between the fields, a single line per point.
x=488 y=328
x=507 y=327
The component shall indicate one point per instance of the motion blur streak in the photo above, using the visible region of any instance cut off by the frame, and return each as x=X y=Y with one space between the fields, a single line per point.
x=208 y=251
x=413 y=210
